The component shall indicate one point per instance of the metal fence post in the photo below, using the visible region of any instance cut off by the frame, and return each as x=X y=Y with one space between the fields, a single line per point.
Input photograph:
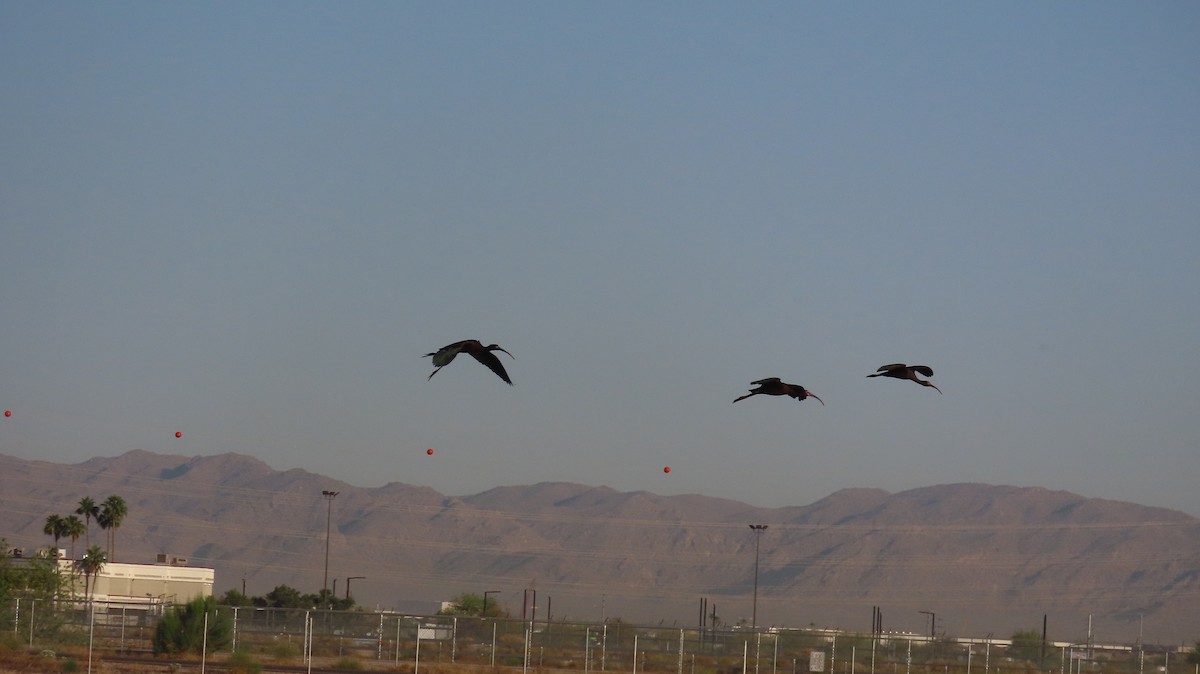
x=204 y=643
x=528 y=637
x=91 y=636
x=680 y=668
x=417 y=657
x=604 y=649
x=775 y=656
x=635 y=639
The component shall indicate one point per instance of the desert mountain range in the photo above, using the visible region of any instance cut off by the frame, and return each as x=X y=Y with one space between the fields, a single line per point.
x=984 y=559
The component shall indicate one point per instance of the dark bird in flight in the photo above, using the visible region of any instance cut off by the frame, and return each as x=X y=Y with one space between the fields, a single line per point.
x=481 y=353
x=902 y=371
x=773 y=386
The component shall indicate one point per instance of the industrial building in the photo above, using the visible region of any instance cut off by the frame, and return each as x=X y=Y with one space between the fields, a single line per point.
x=148 y=587
x=144 y=586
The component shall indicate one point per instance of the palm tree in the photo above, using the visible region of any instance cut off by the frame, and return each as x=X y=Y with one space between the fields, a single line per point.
x=89 y=509
x=73 y=527
x=56 y=527
x=112 y=511
x=90 y=565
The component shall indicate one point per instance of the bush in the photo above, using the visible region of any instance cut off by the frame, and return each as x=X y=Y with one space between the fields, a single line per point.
x=181 y=629
x=347 y=663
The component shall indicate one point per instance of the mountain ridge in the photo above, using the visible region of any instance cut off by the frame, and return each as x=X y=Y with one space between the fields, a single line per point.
x=986 y=555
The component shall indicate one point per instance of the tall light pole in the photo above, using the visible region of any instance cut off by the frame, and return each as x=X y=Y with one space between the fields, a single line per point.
x=350 y=578
x=329 y=496
x=758 y=529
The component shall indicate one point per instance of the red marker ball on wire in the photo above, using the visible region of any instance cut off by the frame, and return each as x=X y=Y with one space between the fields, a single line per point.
x=179 y=434
x=429 y=451
x=666 y=469
x=8 y=413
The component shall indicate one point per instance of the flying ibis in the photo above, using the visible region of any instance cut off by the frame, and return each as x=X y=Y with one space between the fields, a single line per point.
x=902 y=371
x=481 y=353
x=774 y=386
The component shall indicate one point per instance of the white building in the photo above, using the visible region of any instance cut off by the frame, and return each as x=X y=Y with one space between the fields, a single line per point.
x=145 y=586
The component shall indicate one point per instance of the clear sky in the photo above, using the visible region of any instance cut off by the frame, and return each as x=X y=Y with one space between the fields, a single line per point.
x=247 y=221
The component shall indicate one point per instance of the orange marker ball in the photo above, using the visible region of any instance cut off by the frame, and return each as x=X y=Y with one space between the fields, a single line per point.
x=429 y=451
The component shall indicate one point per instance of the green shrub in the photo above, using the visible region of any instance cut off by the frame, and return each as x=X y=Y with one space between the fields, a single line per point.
x=181 y=629
x=348 y=663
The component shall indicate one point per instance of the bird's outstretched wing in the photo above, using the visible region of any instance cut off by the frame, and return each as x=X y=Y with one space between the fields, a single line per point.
x=891 y=368
x=488 y=358
x=923 y=369
x=444 y=355
x=768 y=380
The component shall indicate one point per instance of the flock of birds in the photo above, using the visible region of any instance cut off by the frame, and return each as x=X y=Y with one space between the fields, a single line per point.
x=771 y=386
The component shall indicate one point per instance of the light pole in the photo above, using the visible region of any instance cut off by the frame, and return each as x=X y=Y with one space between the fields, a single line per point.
x=329 y=496
x=932 y=621
x=758 y=529
x=483 y=613
x=350 y=578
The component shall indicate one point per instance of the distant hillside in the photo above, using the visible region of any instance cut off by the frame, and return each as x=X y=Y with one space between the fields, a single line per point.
x=987 y=559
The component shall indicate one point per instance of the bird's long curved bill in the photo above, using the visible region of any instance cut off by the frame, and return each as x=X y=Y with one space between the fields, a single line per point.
x=810 y=395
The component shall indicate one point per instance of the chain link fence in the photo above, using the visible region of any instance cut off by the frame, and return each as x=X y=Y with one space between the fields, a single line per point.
x=382 y=640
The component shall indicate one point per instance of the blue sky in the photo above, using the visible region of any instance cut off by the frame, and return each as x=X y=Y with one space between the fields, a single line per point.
x=248 y=221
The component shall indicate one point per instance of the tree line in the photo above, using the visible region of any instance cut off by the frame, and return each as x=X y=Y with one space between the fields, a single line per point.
x=284 y=596
x=108 y=514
